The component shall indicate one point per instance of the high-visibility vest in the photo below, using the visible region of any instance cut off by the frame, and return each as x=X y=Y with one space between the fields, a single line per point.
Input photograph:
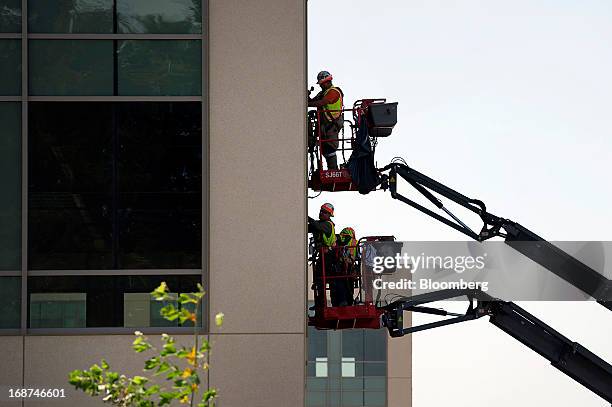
x=351 y=248
x=329 y=241
x=337 y=105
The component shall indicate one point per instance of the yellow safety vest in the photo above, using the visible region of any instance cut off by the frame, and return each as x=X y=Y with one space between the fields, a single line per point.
x=331 y=116
x=352 y=248
x=330 y=241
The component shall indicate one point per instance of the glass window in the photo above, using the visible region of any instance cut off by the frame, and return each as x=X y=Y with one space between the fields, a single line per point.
x=159 y=16
x=140 y=310
x=10 y=304
x=160 y=185
x=70 y=16
x=115 y=185
x=10 y=67
x=317 y=343
x=71 y=67
x=10 y=16
x=101 y=301
x=70 y=173
x=58 y=310
x=346 y=368
x=160 y=67
x=10 y=179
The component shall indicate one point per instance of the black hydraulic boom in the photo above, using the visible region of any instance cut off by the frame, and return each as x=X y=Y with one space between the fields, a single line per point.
x=517 y=236
x=569 y=357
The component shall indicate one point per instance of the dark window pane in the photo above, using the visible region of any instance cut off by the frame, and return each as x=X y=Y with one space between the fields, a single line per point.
x=58 y=310
x=375 y=345
x=352 y=399
x=10 y=179
x=317 y=343
x=10 y=16
x=71 y=67
x=375 y=398
x=374 y=369
x=10 y=305
x=70 y=172
x=160 y=67
x=160 y=16
x=10 y=67
x=160 y=184
x=101 y=301
x=352 y=344
x=70 y=16
x=315 y=399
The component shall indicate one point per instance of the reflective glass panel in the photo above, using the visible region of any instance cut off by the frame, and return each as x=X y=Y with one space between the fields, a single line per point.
x=159 y=16
x=71 y=67
x=160 y=67
x=10 y=16
x=70 y=173
x=58 y=310
x=70 y=16
x=160 y=185
x=10 y=179
x=101 y=301
x=10 y=303
x=10 y=67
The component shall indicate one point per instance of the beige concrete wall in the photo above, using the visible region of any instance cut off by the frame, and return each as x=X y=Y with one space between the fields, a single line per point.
x=399 y=369
x=49 y=359
x=258 y=370
x=11 y=368
x=257 y=164
x=257 y=147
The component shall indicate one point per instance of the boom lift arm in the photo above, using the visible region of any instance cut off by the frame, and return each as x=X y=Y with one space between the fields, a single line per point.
x=569 y=357
x=544 y=253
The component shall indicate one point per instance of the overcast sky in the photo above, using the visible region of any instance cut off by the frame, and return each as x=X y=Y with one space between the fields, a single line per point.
x=506 y=101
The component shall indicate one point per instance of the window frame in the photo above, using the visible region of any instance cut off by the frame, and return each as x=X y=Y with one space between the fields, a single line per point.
x=24 y=99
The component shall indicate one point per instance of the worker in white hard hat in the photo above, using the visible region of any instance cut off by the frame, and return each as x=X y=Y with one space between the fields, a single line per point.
x=329 y=102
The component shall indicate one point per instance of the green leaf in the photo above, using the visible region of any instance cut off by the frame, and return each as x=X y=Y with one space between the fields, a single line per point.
x=105 y=365
x=186 y=299
x=205 y=347
x=167 y=397
x=152 y=390
x=163 y=367
x=152 y=363
x=184 y=315
x=169 y=312
x=161 y=292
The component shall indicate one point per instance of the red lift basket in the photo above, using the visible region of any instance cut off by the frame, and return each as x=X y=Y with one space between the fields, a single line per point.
x=362 y=314
x=381 y=118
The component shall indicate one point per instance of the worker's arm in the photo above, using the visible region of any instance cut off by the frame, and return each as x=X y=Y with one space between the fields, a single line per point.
x=318 y=226
x=331 y=97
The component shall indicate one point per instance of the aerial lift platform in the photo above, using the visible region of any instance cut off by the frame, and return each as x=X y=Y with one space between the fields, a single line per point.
x=569 y=357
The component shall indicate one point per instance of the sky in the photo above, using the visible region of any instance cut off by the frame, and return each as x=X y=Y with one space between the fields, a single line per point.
x=507 y=102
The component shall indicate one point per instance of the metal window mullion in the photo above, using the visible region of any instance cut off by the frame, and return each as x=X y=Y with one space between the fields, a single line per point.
x=10 y=36
x=24 y=166
x=77 y=36
x=115 y=272
x=115 y=98
x=205 y=168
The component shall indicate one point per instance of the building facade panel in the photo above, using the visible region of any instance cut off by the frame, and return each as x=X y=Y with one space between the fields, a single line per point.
x=11 y=368
x=49 y=359
x=257 y=161
x=261 y=370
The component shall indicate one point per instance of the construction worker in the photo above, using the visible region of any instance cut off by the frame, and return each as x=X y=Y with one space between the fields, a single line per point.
x=330 y=122
x=347 y=257
x=325 y=239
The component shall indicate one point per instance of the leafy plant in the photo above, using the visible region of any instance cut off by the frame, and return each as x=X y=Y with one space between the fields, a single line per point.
x=179 y=365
